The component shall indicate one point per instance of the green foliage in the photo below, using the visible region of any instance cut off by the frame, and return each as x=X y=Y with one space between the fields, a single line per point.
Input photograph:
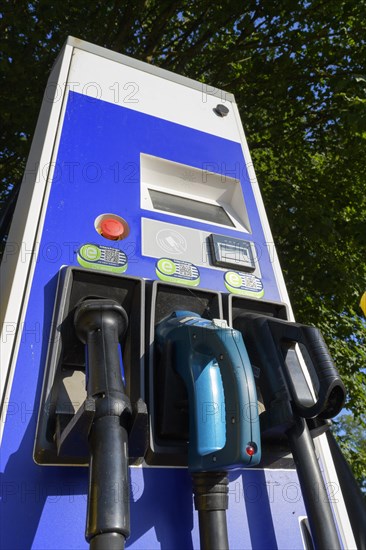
x=297 y=69
x=352 y=440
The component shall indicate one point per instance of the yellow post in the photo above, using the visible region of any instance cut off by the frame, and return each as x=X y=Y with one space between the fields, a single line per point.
x=363 y=303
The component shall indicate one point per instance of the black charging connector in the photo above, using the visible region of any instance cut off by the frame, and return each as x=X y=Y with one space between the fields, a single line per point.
x=66 y=411
x=100 y=324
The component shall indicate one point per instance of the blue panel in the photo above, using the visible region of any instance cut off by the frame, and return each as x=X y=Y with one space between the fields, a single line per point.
x=98 y=171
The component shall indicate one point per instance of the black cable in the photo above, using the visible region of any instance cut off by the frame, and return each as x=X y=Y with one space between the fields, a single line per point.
x=108 y=502
x=352 y=494
x=107 y=541
x=316 y=500
x=211 y=499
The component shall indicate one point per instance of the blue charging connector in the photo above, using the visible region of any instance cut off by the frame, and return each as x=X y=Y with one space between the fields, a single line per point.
x=212 y=360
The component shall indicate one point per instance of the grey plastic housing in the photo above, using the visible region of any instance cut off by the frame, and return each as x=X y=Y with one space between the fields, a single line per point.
x=63 y=393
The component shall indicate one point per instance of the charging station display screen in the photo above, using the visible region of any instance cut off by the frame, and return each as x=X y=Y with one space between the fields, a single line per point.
x=233 y=253
x=189 y=207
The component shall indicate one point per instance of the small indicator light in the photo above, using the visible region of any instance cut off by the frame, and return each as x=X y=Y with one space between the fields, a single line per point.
x=111 y=229
x=251 y=449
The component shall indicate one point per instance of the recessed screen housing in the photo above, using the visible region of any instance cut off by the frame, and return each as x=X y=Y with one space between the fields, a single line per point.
x=189 y=207
x=192 y=193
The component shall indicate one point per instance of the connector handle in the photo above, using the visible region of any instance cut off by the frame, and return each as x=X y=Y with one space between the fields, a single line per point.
x=212 y=360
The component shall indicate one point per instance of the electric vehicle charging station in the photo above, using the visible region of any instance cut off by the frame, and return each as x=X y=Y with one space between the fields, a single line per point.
x=140 y=192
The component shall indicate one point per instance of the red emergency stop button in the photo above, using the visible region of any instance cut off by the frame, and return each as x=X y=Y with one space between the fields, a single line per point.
x=111 y=229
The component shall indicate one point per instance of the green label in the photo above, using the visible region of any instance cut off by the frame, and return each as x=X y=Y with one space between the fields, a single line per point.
x=177 y=271
x=90 y=252
x=104 y=258
x=243 y=284
x=166 y=266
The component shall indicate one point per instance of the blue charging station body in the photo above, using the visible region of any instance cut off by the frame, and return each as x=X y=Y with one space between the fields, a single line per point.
x=105 y=151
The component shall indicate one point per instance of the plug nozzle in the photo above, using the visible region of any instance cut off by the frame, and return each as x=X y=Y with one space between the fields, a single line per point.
x=94 y=314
